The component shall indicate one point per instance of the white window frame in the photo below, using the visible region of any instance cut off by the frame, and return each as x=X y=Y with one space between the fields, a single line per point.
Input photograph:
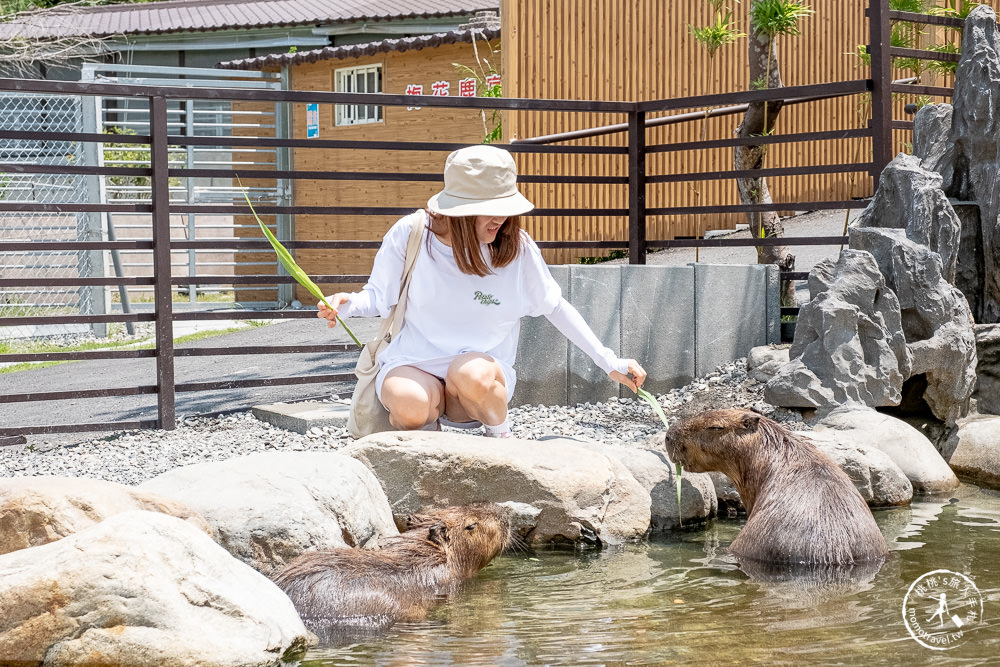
x=360 y=79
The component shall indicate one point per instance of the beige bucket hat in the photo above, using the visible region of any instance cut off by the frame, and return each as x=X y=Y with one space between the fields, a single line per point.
x=480 y=180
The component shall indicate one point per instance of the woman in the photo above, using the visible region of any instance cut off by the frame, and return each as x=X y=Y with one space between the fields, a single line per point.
x=477 y=275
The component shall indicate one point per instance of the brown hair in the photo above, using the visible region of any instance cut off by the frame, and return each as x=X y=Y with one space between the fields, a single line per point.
x=466 y=247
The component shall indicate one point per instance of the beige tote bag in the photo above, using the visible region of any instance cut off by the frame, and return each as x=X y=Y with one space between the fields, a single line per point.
x=368 y=415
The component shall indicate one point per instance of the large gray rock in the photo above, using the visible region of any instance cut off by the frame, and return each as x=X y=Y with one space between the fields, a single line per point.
x=910 y=197
x=764 y=361
x=936 y=320
x=988 y=368
x=977 y=456
x=908 y=448
x=879 y=480
x=39 y=510
x=976 y=137
x=932 y=139
x=268 y=508
x=849 y=347
x=143 y=589
x=658 y=475
x=583 y=495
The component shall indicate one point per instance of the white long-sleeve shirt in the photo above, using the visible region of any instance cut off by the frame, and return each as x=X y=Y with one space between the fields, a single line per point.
x=449 y=313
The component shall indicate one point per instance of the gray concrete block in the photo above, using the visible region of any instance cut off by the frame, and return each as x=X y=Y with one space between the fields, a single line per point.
x=595 y=291
x=300 y=417
x=542 y=353
x=773 y=303
x=730 y=313
x=658 y=324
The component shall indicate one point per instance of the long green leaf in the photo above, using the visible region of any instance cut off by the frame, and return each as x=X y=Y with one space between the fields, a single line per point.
x=293 y=269
x=653 y=403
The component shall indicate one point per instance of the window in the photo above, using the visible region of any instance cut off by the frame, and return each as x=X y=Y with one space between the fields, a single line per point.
x=366 y=79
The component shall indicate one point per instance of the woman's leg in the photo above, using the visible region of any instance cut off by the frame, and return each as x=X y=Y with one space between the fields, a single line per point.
x=475 y=388
x=412 y=397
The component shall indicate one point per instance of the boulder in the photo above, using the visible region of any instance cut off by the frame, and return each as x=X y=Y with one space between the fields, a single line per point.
x=936 y=321
x=657 y=474
x=268 y=508
x=987 y=392
x=39 y=510
x=977 y=456
x=908 y=448
x=909 y=197
x=975 y=133
x=144 y=588
x=583 y=495
x=848 y=347
x=879 y=480
x=764 y=361
x=932 y=139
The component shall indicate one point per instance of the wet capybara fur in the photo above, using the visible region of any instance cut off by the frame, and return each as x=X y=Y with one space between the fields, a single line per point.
x=375 y=588
x=801 y=507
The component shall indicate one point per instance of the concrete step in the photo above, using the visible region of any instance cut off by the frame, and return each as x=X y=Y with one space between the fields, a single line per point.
x=300 y=417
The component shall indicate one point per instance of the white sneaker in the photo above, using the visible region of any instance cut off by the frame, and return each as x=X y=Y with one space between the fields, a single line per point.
x=443 y=421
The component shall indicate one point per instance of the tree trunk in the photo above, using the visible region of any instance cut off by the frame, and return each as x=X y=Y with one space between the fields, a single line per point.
x=759 y=120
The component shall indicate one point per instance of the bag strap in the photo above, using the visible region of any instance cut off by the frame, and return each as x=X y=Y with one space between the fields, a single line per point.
x=394 y=322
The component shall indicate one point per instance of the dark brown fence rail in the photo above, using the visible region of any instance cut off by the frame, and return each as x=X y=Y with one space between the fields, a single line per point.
x=159 y=208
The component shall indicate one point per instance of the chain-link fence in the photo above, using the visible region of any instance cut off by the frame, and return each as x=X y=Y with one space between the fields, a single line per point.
x=44 y=113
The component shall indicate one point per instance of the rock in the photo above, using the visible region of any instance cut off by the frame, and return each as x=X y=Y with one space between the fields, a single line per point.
x=936 y=321
x=906 y=446
x=764 y=361
x=147 y=588
x=268 y=508
x=975 y=133
x=730 y=503
x=880 y=481
x=583 y=495
x=977 y=456
x=931 y=139
x=849 y=347
x=910 y=197
x=39 y=510
x=656 y=473
x=988 y=368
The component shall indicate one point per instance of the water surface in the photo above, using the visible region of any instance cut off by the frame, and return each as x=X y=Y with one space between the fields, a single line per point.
x=682 y=600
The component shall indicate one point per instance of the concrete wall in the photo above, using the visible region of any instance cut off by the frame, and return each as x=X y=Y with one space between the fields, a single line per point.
x=679 y=322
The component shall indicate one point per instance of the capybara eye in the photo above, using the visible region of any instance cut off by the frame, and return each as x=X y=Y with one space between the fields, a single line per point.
x=471 y=526
x=714 y=428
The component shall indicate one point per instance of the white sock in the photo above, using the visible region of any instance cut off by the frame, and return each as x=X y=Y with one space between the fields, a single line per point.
x=499 y=429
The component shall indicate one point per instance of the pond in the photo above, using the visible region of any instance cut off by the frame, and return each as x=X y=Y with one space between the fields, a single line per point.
x=685 y=601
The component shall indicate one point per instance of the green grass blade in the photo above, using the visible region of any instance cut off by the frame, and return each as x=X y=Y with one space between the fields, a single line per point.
x=653 y=403
x=291 y=267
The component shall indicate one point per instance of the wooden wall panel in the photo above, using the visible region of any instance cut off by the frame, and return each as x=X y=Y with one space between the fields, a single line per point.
x=627 y=50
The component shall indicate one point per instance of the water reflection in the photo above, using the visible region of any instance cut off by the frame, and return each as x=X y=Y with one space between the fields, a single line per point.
x=687 y=601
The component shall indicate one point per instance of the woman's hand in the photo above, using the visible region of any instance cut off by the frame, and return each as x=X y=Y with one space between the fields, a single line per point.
x=635 y=378
x=337 y=300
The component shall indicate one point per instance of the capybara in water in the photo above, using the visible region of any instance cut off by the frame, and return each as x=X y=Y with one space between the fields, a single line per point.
x=802 y=508
x=361 y=588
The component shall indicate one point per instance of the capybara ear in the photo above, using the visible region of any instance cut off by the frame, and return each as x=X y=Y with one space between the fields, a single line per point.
x=750 y=421
x=438 y=534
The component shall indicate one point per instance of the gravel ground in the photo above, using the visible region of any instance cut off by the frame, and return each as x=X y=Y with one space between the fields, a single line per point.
x=131 y=457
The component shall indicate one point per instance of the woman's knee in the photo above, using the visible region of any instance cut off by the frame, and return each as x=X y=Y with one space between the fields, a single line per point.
x=474 y=375
x=412 y=400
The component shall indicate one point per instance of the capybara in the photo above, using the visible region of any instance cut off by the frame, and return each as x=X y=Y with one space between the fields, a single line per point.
x=362 y=588
x=802 y=508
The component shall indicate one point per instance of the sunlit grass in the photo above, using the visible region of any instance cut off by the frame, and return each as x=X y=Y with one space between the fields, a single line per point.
x=41 y=347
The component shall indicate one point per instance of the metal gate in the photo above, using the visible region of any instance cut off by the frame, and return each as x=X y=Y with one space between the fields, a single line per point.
x=120 y=118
